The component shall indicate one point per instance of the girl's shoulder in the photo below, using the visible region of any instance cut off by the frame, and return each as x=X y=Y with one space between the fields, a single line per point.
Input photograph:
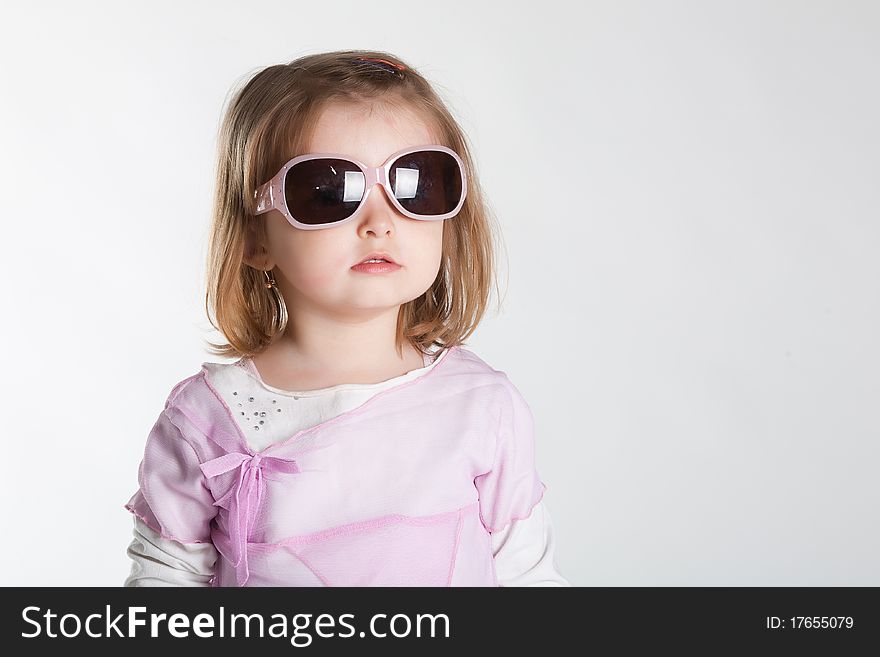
x=470 y=362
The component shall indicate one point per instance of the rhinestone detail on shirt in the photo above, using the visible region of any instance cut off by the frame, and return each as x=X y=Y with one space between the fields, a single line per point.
x=259 y=413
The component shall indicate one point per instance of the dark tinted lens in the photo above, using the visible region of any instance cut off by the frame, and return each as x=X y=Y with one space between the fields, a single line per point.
x=323 y=191
x=426 y=182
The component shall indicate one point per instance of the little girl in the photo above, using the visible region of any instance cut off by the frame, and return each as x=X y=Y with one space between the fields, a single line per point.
x=355 y=441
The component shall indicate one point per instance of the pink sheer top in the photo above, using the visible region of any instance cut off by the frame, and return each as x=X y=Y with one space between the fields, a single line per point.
x=402 y=490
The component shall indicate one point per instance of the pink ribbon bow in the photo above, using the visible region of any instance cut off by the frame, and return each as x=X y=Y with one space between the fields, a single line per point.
x=251 y=485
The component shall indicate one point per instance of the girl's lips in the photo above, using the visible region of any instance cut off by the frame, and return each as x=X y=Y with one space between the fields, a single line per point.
x=376 y=267
x=378 y=255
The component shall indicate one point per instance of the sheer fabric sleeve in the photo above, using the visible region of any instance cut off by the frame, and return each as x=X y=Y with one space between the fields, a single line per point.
x=158 y=561
x=512 y=487
x=525 y=551
x=173 y=498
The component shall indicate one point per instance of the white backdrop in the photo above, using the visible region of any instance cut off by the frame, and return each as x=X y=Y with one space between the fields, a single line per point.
x=689 y=198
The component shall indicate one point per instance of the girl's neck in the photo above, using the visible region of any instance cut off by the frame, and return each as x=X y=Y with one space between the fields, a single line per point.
x=279 y=367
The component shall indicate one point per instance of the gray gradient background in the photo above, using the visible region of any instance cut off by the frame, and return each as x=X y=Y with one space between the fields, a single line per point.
x=689 y=198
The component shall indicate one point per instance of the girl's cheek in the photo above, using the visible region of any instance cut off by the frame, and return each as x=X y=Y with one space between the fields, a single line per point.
x=320 y=277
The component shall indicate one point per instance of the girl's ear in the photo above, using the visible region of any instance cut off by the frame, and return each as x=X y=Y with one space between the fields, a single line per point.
x=255 y=252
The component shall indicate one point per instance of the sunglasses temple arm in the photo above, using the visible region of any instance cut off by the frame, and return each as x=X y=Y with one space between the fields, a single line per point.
x=264 y=197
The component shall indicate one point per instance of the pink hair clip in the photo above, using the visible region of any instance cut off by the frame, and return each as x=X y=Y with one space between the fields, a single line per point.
x=383 y=64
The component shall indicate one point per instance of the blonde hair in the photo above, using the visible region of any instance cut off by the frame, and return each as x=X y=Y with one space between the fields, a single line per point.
x=268 y=121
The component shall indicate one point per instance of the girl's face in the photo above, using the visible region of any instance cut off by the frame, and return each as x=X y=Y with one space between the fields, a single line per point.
x=313 y=267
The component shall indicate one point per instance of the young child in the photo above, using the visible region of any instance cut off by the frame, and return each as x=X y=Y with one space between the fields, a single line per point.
x=355 y=441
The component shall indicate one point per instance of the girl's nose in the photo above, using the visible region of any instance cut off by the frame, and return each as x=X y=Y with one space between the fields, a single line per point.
x=378 y=210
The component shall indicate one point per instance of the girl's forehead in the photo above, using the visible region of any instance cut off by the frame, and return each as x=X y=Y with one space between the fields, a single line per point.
x=368 y=132
x=391 y=111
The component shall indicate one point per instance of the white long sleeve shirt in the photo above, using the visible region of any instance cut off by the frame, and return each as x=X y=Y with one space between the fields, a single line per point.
x=524 y=550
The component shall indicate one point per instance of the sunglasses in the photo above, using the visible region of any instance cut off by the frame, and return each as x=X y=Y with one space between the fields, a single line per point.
x=322 y=190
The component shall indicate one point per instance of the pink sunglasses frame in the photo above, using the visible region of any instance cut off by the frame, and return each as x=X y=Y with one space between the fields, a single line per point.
x=270 y=195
